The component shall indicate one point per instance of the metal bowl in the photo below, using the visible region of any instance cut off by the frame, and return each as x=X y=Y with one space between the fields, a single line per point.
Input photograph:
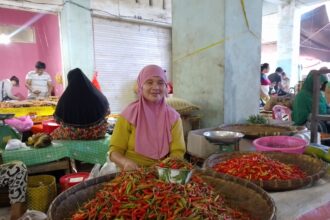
x=6 y=116
x=226 y=137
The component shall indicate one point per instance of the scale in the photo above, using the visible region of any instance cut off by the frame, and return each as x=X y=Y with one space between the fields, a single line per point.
x=7 y=132
x=225 y=140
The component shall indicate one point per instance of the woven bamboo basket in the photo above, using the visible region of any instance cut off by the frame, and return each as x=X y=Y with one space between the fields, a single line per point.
x=238 y=193
x=41 y=191
x=315 y=169
x=259 y=130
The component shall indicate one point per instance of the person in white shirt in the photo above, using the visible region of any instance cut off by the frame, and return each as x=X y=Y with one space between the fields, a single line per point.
x=38 y=82
x=6 y=87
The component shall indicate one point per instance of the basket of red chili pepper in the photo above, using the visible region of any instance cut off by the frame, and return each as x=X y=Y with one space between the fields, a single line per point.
x=271 y=171
x=142 y=195
x=174 y=170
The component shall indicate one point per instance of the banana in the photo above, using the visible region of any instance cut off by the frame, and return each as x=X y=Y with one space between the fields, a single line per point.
x=39 y=140
x=319 y=151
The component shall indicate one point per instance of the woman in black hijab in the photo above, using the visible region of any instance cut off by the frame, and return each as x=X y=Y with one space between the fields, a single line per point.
x=81 y=110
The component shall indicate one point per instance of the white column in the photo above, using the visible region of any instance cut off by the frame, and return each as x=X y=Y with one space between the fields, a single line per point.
x=288 y=40
x=77 y=37
x=242 y=59
x=216 y=57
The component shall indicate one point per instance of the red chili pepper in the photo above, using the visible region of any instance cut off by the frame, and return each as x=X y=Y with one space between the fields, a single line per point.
x=259 y=167
x=150 y=198
x=174 y=163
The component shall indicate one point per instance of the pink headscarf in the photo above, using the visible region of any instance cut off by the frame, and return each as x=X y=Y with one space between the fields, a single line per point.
x=153 y=121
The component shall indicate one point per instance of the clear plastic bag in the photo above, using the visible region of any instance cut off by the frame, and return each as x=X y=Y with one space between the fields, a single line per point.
x=107 y=168
x=15 y=144
x=95 y=171
x=33 y=215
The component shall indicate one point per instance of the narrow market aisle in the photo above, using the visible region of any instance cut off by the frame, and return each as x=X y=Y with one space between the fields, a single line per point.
x=292 y=204
x=322 y=212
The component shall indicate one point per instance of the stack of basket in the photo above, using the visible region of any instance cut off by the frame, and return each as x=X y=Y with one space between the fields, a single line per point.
x=41 y=192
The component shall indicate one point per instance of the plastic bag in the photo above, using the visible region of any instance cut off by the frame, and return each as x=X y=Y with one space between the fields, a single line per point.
x=95 y=171
x=107 y=168
x=281 y=113
x=95 y=82
x=22 y=124
x=15 y=144
x=33 y=215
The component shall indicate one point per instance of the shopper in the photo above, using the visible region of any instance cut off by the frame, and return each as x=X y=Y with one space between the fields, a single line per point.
x=38 y=82
x=81 y=110
x=14 y=176
x=276 y=80
x=6 y=87
x=264 y=84
x=285 y=82
x=148 y=130
x=302 y=104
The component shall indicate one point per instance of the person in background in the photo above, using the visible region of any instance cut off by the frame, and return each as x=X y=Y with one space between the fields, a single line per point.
x=302 y=104
x=276 y=80
x=285 y=82
x=265 y=83
x=81 y=111
x=38 y=82
x=6 y=87
x=14 y=176
x=148 y=130
x=327 y=93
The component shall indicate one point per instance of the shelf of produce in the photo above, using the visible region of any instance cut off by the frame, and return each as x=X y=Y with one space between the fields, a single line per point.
x=32 y=111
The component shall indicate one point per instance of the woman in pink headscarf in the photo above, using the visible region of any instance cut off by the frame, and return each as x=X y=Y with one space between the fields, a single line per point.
x=148 y=130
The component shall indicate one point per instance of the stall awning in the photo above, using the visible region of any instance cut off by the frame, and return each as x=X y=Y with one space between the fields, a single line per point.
x=315 y=34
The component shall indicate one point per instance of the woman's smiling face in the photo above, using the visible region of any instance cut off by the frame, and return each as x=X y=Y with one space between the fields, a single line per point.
x=154 y=89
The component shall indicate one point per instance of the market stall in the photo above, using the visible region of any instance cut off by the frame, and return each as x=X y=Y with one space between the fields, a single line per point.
x=93 y=152
x=290 y=204
x=38 y=109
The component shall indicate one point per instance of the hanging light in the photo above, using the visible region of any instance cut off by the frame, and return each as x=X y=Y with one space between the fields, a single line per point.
x=4 y=39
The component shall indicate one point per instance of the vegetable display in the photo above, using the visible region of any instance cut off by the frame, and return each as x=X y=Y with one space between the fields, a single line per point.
x=173 y=163
x=257 y=119
x=259 y=167
x=141 y=195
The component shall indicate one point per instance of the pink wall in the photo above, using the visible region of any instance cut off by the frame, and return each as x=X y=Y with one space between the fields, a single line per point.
x=19 y=58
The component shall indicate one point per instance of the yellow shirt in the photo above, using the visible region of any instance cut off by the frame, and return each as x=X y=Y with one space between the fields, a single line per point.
x=123 y=141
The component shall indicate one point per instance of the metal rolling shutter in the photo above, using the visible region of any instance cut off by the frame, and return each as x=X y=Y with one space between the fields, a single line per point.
x=122 y=49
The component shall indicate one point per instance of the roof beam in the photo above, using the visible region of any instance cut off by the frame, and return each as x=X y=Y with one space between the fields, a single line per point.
x=278 y=2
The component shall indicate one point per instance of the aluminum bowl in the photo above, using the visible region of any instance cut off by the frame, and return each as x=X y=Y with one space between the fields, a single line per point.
x=6 y=116
x=226 y=137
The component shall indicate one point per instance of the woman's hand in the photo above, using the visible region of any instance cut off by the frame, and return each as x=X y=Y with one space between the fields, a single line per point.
x=123 y=162
x=129 y=165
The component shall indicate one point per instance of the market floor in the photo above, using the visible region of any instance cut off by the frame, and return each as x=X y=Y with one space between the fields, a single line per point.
x=4 y=213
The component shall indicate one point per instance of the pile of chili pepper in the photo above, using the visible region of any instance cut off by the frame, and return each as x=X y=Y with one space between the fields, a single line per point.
x=140 y=195
x=257 y=166
x=174 y=163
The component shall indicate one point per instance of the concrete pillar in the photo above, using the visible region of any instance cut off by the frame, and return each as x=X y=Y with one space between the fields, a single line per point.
x=77 y=37
x=288 y=40
x=216 y=57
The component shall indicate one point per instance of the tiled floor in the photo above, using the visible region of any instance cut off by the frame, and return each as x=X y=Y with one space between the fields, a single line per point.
x=4 y=213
